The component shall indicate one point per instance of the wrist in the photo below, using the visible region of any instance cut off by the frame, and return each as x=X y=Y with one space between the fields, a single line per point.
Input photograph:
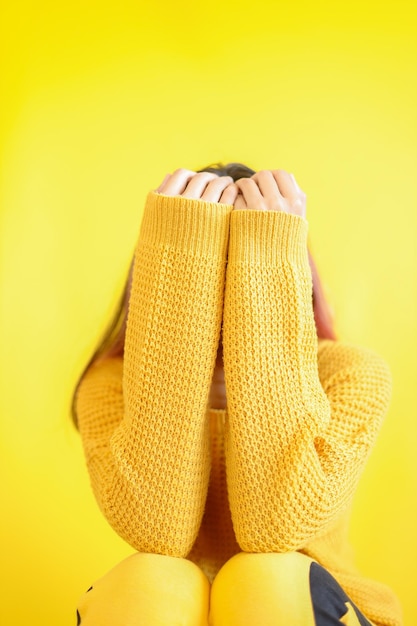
x=269 y=237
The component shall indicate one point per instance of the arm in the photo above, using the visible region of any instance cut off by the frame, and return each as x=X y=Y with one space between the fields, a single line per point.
x=302 y=417
x=142 y=420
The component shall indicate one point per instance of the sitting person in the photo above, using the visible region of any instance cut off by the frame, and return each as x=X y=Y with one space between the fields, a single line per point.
x=225 y=427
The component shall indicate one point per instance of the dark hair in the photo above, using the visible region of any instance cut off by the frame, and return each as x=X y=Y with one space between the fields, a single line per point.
x=112 y=342
x=235 y=170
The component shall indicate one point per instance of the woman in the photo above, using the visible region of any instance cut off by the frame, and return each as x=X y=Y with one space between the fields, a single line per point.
x=237 y=503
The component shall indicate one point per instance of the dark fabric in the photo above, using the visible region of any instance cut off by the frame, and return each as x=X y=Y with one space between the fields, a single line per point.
x=329 y=599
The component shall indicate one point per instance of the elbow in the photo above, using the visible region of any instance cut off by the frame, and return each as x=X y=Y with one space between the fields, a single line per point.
x=257 y=541
x=272 y=530
x=276 y=538
x=285 y=524
x=162 y=545
x=148 y=533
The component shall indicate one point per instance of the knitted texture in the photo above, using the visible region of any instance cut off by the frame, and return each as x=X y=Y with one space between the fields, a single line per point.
x=276 y=471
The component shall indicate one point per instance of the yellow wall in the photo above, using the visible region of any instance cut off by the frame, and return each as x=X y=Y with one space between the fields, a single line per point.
x=99 y=102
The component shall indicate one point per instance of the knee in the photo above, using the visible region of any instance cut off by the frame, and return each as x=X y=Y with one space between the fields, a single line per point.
x=147 y=589
x=265 y=589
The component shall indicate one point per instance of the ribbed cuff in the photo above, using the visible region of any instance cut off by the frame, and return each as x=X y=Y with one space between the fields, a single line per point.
x=267 y=237
x=192 y=225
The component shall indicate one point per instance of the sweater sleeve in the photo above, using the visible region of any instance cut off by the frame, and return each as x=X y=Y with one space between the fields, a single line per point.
x=302 y=417
x=142 y=419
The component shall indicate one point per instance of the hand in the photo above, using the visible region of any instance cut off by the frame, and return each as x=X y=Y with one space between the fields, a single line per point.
x=271 y=190
x=199 y=185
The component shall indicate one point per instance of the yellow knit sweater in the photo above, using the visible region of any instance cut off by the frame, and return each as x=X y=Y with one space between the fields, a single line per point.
x=275 y=471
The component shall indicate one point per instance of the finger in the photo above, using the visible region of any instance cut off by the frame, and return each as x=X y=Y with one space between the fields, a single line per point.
x=300 y=191
x=267 y=184
x=177 y=182
x=215 y=188
x=229 y=195
x=158 y=189
x=240 y=203
x=295 y=196
x=252 y=194
x=197 y=184
x=296 y=184
x=286 y=184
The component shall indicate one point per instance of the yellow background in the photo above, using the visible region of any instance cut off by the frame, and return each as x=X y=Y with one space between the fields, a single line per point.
x=99 y=101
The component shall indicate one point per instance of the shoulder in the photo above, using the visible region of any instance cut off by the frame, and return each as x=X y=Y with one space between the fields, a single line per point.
x=105 y=372
x=335 y=357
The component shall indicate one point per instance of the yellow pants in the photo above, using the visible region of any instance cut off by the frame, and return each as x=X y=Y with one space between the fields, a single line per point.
x=250 y=590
